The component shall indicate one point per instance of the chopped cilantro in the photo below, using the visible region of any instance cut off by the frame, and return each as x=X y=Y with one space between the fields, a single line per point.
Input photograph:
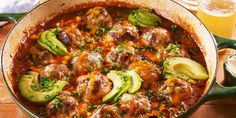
x=116 y=103
x=173 y=48
x=151 y=95
x=45 y=84
x=101 y=30
x=121 y=47
x=74 y=94
x=56 y=102
x=81 y=116
x=152 y=50
x=90 y=68
x=143 y=48
x=80 y=96
x=98 y=39
x=105 y=70
x=98 y=49
x=91 y=107
x=89 y=41
x=123 y=112
x=173 y=27
x=68 y=78
x=105 y=115
x=135 y=46
x=190 y=38
x=80 y=47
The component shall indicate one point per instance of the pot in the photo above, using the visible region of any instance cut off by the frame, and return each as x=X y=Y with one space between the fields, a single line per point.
x=166 y=8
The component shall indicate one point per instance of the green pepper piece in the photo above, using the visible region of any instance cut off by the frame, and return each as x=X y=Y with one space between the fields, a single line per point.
x=49 y=41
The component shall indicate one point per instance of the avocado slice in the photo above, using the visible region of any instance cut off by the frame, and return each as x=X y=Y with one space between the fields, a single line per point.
x=136 y=81
x=132 y=19
x=144 y=17
x=118 y=84
x=127 y=79
x=49 y=41
x=147 y=17
x=185 y=67
x=29 y=83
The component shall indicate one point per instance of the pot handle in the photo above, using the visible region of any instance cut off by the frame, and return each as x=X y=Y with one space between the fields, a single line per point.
x=219 y=91
x=11 y=17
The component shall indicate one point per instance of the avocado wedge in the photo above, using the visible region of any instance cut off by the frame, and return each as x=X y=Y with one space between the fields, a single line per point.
x=118 y=84
x=126 y=86
x=136 y=81
x=185 y=67
x=29 y=88
x=144 y=17
x=122 y=82
x=49 y=41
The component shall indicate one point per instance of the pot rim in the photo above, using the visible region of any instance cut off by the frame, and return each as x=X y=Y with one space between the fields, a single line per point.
x=200 y=101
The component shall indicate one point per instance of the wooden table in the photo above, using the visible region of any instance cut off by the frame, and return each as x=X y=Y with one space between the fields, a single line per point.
x=224 y=108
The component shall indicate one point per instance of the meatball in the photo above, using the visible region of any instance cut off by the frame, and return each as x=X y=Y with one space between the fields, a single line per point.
x=63 y=106
x=122 y=30
x=148 y=72
x=174 y=50
x=55 y=71
x=93 y=86
x=108 y=111
x=122 y=55
x=63 y=37
x=70 y=37
x=176 y=90
x=95 y=18
x=39 y=55
x=156 y=37
x=85 y=62
x=135 y=105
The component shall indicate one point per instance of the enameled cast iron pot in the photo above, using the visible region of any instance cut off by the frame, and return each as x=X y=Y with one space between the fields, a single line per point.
x=165 y=8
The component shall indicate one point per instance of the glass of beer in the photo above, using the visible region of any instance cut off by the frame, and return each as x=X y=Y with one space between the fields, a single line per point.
x=218 y=15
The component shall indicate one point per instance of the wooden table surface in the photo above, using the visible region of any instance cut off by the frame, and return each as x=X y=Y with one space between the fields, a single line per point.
x=224 y=108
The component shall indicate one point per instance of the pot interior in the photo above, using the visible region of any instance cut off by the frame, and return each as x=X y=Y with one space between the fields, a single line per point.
x=52 y=8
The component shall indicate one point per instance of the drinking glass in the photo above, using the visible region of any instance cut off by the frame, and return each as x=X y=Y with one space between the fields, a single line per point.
x=218 y=16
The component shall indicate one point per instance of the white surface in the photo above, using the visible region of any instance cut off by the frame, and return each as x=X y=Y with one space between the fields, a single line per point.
x=17 y=6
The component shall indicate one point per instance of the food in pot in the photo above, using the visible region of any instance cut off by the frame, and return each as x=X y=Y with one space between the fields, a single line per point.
x=109 y=62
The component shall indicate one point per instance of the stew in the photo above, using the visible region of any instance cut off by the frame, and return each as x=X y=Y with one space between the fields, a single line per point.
x=109 y=62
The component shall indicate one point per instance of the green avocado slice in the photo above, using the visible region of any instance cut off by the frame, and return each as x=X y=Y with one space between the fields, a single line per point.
x=49 y=41
x=126 y=86
x=118 y=84
x=136 y=81
x=147 y=17
x=132 y=19
x=186 y=67
x=144 y=17
x=29 y=82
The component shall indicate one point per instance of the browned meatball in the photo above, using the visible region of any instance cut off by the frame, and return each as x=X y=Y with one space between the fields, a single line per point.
x=122 y=30
x=96 y=17
x=108 y=111
x=122 y=55
x=134 y=105
x=85 y=62
x=176 y=90
x=55 y=71
x=155 y=37
x=174 y=50
x=148 y=72
x=70 y=36
x=63 y=106
x=94 y=86
x=39 y=55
